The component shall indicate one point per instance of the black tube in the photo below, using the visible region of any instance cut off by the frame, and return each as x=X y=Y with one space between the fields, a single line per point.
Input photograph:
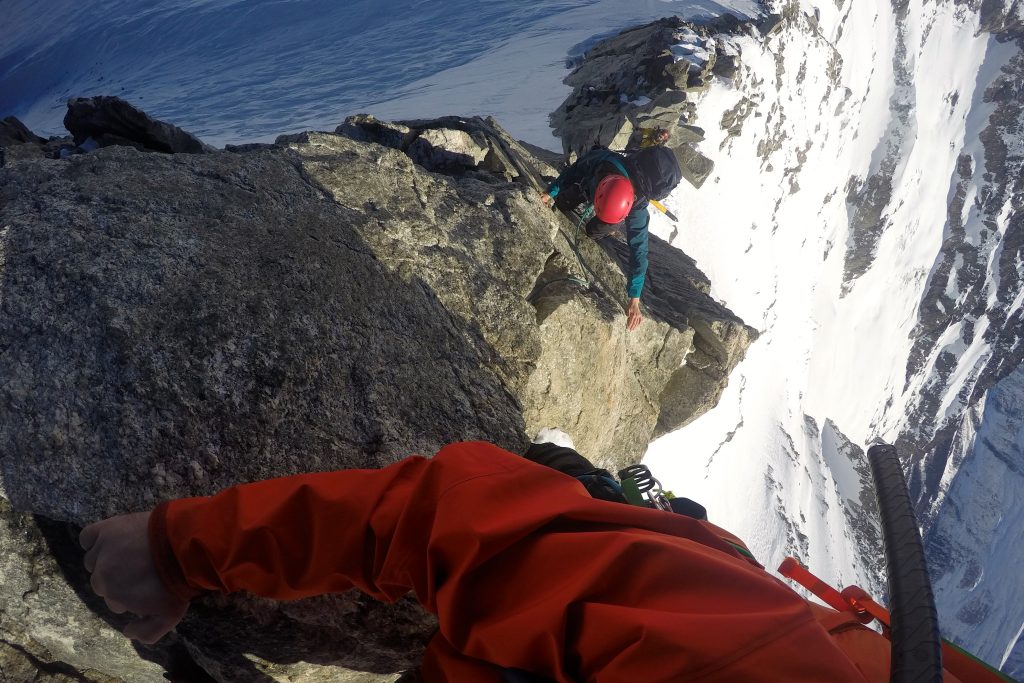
x=916 y=643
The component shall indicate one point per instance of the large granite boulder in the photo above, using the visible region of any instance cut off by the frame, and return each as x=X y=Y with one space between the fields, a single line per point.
x=679 y=290
x=369 y=128
x=695 y=166
x=172 y=325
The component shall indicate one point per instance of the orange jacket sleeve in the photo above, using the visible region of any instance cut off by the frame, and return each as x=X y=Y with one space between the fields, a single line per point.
x=522 y=567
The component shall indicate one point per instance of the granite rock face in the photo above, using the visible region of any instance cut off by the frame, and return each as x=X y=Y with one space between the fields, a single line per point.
x=226 y=309
x=719 y=339
x=47 y=613
x=171 y=324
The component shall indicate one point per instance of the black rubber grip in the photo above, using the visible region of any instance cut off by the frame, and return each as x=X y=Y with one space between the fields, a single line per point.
x=916 y=643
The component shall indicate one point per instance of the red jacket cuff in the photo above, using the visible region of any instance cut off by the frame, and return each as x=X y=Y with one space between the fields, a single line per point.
x=166 y=563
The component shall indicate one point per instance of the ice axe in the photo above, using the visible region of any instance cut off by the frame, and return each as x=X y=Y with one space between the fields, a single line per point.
x=661 y=207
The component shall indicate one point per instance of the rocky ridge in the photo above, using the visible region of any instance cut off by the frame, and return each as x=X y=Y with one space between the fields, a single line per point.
x=176 y=323
x=646 y=78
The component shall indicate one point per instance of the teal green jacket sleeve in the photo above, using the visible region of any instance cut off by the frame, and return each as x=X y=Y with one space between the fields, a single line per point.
x=555 y=187
x=571 y=174
x=636 y=235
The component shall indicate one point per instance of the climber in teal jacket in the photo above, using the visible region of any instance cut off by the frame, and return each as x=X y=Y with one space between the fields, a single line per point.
x=618 y=187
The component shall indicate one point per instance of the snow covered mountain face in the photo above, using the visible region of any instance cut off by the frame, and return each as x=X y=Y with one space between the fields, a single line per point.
x=865 y=214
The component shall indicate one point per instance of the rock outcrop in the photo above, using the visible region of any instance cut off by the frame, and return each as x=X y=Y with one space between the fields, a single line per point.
x=96 y=122
x=176 y=323
x=52 y=627
x=18 y=143
x=14 y=132
x=644 y=79
x=112 y=121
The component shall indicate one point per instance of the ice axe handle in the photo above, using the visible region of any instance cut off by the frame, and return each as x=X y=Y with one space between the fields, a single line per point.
x=661 y=207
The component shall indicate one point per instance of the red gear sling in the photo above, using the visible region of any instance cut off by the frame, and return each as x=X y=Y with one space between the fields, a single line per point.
x=523 y=569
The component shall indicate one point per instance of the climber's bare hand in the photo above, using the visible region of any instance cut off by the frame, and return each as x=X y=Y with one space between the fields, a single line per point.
x=633 y=315
x=123 y=574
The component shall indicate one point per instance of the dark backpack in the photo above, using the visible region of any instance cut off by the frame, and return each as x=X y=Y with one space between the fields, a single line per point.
x=654 y=171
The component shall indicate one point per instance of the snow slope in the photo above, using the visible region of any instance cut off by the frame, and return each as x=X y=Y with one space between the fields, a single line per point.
x=978 y=552
x=837 y=157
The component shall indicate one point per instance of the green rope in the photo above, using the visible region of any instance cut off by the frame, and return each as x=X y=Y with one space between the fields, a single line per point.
x=523 y=172
x=574 y=243
x=992 y=670
x=576 y=239
x=575 y=280
x=741 y=550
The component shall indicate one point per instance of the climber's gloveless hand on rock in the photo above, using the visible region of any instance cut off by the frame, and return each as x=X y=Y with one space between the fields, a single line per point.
x=633 y=315
x=124 y=575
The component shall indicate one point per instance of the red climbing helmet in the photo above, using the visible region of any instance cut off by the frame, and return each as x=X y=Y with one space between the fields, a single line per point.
x=613 y=198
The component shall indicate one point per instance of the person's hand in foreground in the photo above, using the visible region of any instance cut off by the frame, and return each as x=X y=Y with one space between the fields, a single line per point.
x=123 y=574
x=633 y=315
x=546 y=199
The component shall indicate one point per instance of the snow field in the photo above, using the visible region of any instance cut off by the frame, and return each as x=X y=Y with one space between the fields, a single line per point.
x=767 y=262
x=771 y=228
x=771 y=233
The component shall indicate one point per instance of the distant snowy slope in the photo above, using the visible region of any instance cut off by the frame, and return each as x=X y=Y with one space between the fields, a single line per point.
x=767 y=228
x=245 y=70
x=864 y=213
x=977 y=548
